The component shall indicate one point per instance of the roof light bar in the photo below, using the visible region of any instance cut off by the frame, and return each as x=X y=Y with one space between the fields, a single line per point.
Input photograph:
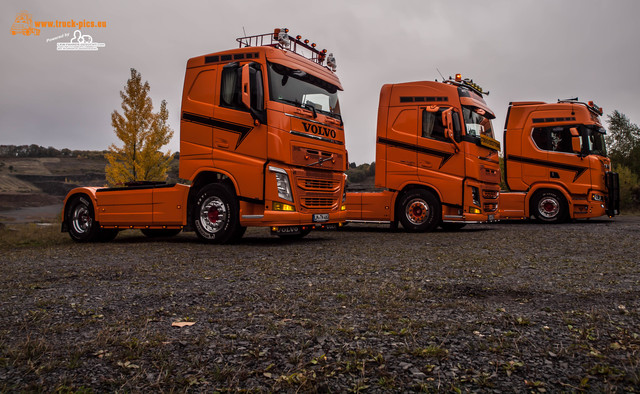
x=466 y=82
x=280 y=38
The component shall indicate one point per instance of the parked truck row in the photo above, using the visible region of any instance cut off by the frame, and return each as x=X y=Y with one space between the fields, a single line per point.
x=262 y=143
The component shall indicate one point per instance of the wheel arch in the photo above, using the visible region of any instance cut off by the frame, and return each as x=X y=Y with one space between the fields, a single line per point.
x=552 y=187
x=410 y=187
x=208 y=177
x=90 y=193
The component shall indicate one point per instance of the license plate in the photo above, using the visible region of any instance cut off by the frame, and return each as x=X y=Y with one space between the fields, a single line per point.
x=320 y=217
x=288 y=230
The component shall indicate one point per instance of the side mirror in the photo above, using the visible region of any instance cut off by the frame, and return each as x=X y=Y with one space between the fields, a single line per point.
x=252 y=91
x=246 y=86
x=576 y=141
x=447 y=120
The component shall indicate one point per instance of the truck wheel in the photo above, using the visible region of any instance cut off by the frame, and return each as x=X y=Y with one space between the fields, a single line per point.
x=419 y=211
x=215 y=215
x=549 y=207
x=81 y=220
x=160 y=232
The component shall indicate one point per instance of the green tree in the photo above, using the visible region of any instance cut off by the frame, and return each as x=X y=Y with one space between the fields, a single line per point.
x=143 y=134
x=623 y=141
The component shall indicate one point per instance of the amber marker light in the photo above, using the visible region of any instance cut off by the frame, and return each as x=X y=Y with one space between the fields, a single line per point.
x=458 y=77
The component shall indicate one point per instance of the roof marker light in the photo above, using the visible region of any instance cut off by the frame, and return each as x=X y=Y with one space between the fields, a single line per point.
x=458 y=77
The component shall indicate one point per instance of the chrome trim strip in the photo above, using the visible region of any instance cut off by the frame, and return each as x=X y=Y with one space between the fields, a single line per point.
x=252 y=216
x=276 y=169
x=309 y=120
x=315 y=137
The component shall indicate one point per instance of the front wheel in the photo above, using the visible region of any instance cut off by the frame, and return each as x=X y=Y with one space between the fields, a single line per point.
x=215 y=215
x=549 y=207
x=419 y=211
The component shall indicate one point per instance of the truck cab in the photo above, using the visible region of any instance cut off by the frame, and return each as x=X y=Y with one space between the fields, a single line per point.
x=555 y=163
x=261 y=144
x=436 y=158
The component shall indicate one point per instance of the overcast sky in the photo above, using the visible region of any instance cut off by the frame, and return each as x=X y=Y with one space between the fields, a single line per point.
x=518 y=50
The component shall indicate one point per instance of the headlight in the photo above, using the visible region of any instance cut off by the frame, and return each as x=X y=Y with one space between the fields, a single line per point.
x=282 y=183
x=597 y=197
x=475 y=195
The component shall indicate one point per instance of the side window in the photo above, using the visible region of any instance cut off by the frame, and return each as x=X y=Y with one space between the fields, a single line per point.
x=540 y=138
x=230 y=87
x=554 y=139
x=432 y=126
x=560 y=138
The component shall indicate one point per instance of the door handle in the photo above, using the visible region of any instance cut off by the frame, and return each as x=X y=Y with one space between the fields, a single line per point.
x=221 y=143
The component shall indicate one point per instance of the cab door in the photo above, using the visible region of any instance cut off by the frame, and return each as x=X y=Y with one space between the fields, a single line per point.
x=439 y=162
x=566 y=164
x=401 y=142
x=239 y=140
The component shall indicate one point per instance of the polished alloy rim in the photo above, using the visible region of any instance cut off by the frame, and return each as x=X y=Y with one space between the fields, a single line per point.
x=213 y=214
x=548 y=207
x=417 y=211
x=81 y=221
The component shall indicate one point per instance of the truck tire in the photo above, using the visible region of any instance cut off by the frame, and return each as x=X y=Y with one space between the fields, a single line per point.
x=419 y=211
x=549 y=206
x=215 y=215
x=80 y=218
x=160 y=232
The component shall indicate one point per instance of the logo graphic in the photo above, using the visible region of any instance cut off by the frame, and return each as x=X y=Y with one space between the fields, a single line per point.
x=24 y=25
x=80 y=42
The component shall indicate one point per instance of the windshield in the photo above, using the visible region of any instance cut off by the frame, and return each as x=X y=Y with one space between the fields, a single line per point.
x=476 y=124
x=302 y=89
x=595 y=140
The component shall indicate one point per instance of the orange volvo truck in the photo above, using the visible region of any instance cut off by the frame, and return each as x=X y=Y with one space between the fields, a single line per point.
x=436 y=158
x=261 y=144
x=555 y=163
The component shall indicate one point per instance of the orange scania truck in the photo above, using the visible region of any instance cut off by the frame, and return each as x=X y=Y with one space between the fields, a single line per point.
x=261 y=144
x=436 y=158
x=555 y=163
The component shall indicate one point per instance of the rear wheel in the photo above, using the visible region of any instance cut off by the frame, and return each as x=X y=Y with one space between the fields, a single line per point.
x=549 y=207
x=160 y=232
x=215 y=215
x=81 y=220
x=419 y=211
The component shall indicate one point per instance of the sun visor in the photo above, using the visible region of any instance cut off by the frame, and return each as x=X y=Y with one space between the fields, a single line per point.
x=295 y=61
x=474 y=102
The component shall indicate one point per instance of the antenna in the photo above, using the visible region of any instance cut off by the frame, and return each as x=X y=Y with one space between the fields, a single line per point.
x=440 y=73
x=245 y=33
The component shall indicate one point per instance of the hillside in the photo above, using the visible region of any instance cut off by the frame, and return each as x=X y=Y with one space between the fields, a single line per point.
x=34 y=176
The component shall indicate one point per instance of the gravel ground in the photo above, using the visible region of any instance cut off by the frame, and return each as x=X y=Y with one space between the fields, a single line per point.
x=516 y=307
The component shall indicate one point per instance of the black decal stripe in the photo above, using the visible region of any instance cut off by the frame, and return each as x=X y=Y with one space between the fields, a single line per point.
x=568 y=167
x=445 y=156
x=219 y=124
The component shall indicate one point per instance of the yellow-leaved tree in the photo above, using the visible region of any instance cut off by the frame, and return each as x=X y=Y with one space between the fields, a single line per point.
x=143 y=134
